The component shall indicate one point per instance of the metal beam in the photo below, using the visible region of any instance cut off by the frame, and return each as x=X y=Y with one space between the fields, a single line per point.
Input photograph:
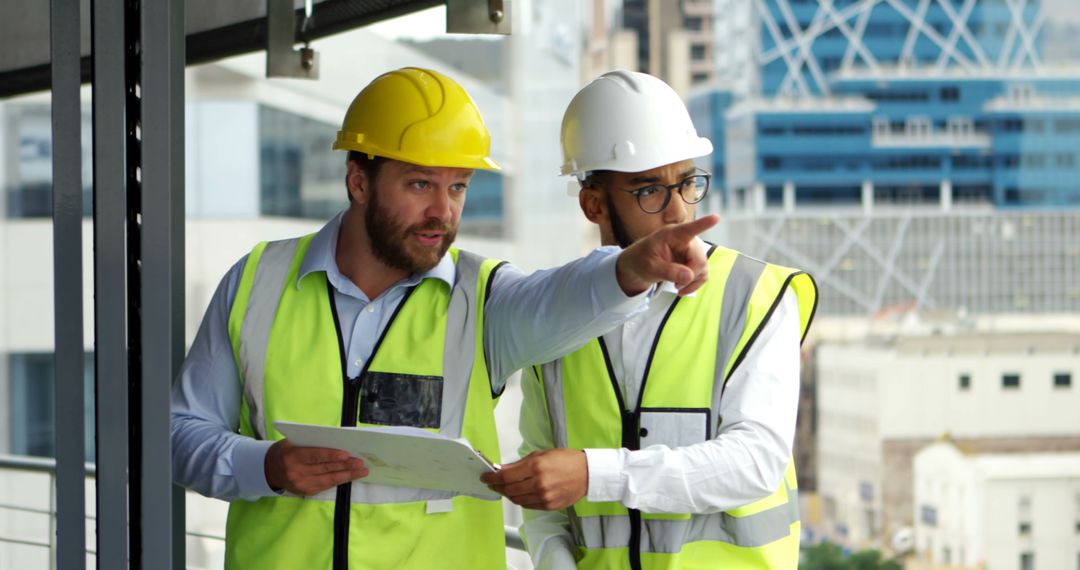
x=212 y=42
x=110 y=283
x=67 y=198
x=162 y=227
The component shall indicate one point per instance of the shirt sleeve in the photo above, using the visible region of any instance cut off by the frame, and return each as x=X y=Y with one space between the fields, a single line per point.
x=545 y=315
x=747 y=459
x=208 y=454
x=546 y=534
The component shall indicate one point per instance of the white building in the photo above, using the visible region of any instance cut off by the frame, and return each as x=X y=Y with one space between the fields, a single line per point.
x=997 y=511
x=885 y=391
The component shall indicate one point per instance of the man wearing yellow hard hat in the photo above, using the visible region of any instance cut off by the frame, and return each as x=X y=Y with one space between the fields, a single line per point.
x=665 y=442
x=376 y=320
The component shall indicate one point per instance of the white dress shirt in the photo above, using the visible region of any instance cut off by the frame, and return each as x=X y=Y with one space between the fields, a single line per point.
x=743 y=463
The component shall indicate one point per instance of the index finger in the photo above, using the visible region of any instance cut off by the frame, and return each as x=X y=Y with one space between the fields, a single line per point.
x=689 y=230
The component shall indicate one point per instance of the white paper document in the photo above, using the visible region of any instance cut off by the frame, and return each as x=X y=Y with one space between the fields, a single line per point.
x=402 y=456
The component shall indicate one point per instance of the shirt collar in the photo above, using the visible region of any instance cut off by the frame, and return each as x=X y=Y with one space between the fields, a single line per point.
x=322 y=256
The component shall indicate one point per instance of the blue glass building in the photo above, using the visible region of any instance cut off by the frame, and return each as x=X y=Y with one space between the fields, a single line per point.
x=879 y=101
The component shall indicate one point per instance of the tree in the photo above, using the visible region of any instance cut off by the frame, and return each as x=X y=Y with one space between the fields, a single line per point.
x=829 y=556
x=823 y=556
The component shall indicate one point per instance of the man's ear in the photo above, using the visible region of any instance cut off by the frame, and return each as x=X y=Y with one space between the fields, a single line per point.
x=593 y=205
x=357 y=181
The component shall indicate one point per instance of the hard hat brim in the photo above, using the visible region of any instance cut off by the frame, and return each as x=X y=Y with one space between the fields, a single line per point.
x=475 y=162
x=695 y=149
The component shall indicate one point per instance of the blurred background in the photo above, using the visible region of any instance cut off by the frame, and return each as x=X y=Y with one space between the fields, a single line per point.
x=920 y=158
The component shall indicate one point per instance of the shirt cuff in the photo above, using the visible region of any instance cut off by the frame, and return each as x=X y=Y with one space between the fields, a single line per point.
x=605 y=475
x=249 y=459
x=556 y=554
x=608 y=292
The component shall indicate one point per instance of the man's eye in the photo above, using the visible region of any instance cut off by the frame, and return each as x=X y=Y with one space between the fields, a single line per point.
x=459 y=188
x=648 y=191
x=419 y=184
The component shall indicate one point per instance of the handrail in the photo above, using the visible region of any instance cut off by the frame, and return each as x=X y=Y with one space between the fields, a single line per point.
x=37 y=464
x=47 y=465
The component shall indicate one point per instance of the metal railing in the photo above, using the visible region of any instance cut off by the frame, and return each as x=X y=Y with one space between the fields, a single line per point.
x=47 y=466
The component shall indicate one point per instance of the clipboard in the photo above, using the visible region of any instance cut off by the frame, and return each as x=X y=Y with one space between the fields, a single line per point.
x=403 y=456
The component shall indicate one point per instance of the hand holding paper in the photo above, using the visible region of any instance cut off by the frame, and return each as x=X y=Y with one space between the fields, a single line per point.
x=402 y=456
x=546 y=480
x=309 y=470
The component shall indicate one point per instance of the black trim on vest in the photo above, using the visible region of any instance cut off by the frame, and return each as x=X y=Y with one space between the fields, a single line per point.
x=813 y=310
x=652 y=353
x=632 y=436
x=761 y=325
x=631 y=428
x=483 y=348
x=350 y=404
x=611 y=377
x=491 y=280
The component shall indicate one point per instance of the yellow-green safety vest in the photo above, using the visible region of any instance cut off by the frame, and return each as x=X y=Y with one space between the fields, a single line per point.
x=291 y=360
x=679 y=403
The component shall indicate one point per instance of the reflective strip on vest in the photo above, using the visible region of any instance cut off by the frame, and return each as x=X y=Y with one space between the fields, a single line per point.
x=667 y=536
x=270 y=275
x=459 y=353
x=740 y=285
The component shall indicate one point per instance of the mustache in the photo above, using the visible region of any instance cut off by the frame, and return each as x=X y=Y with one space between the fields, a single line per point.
x=432 y=226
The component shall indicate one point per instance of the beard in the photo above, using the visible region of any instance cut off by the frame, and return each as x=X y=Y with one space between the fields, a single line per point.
x=390 y=241
x=618 y=228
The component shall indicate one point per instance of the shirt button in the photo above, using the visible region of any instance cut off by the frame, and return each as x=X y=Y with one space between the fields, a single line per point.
x=358 y=362
x=371 y=308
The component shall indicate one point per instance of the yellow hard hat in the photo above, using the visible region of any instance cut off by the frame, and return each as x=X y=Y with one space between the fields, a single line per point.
x=418 y=116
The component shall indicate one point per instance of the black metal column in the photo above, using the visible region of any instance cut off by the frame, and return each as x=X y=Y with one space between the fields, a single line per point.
x=162 y=287
x=70 y=541
x=110 y=282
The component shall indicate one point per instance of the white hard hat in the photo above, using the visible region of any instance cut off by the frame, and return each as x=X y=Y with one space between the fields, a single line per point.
x=628 y=122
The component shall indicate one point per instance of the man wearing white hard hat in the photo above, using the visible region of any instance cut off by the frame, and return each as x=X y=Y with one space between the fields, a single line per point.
x=665 y=443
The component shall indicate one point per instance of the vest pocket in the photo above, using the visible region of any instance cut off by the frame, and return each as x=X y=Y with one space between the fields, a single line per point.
x=392 y=399
x=673 y=427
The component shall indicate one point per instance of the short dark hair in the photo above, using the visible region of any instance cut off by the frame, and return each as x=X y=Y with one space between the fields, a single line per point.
x=595 y=178
x=370 y=164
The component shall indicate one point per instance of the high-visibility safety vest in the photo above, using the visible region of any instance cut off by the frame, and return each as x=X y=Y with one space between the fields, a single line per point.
x=678 y=405
x=426 y=370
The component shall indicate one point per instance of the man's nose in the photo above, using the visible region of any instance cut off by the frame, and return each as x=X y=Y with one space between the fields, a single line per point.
x=439 y=206
x=675 y=211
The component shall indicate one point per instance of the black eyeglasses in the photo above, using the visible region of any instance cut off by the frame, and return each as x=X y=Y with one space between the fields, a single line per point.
x=655 y=197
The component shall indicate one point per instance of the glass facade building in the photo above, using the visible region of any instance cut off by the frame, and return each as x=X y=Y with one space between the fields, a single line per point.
x=900 y=95
x=882 y=145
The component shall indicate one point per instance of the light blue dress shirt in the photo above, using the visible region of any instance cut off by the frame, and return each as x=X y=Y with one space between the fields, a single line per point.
x=527 y=320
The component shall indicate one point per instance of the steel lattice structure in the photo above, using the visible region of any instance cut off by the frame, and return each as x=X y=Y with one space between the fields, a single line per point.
x=961 y=35
x=976 y=261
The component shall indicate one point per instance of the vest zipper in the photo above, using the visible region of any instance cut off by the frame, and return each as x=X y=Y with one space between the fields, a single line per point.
x=350 y=405
x=631 y=436
x=350 y=409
